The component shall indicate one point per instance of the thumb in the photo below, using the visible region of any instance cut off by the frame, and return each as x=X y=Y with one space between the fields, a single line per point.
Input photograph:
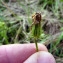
x=41 y=57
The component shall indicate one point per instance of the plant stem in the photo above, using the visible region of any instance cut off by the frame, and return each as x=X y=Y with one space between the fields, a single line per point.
x=36 y=28
x=36 y=45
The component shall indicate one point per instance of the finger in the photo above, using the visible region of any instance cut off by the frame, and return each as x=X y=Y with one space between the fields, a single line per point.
x=41 y=57
x=17 y=53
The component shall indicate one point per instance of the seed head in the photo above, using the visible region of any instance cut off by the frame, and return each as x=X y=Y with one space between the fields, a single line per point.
x=36 y=17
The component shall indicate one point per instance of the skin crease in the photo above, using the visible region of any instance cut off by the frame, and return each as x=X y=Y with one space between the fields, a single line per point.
x=18 y=53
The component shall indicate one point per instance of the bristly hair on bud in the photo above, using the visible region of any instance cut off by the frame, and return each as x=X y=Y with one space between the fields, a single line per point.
x=36 y=27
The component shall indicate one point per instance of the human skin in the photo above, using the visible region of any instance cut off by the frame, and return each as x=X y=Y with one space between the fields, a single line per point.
x=25 y=53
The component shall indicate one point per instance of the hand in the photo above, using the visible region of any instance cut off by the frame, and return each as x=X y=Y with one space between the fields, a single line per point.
x=25 y=53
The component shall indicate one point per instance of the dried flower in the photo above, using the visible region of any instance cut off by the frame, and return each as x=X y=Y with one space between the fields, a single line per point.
x=36 y=18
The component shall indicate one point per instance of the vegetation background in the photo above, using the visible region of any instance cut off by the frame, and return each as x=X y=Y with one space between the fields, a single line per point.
x=15 y=22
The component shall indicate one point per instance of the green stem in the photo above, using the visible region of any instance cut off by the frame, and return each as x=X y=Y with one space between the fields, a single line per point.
x=36 y=45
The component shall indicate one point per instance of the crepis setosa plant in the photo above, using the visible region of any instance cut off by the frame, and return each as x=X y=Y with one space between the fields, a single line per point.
x=36 y=28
